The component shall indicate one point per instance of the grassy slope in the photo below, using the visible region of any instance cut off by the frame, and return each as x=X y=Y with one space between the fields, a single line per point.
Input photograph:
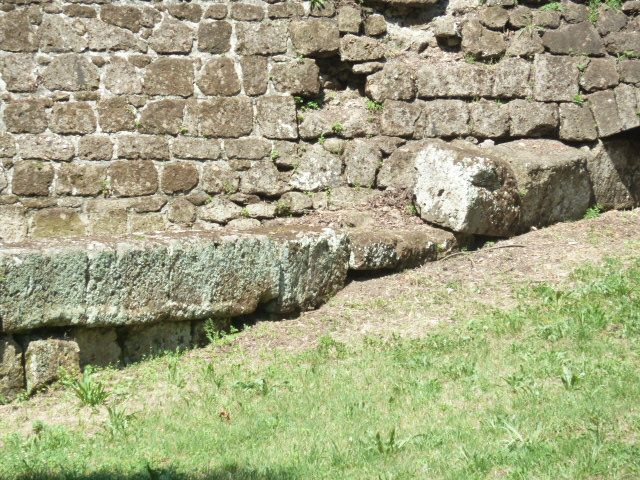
x=549 y=389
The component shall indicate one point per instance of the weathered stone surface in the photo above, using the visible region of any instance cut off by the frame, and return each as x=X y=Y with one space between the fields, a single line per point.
x=214 y=37
x=605 y=111
x=621 y=42
x=73 y=118
x=12 y=380
x=123 y=16
x=399 y=118
x=226 y=117
x=56 y=222
x=7 y=145
x=44 y=360
x=218 y=77
x=481 y=42
x=182 y=212
x=399 y=171
x=254 y=74
x=186 y=11
x=131 y=178
x=163 y=117
x=220 y=210
x=360 y=49
x=248 y=148
x=532 y=119
x=103 y=36
x=71 y=72
x=362 y=159
x=614 y=168
x=318 y=169
x=577 y=123
x=14 y=223
x=261 y=38
x=122 y=78
x=262 y=179
x=443 y=118
x=286 y=9
x=276 y=117
x=116 y=115
x=218 y=177
x=143 y=147
x=629 y=71
x=610 y=20
x=95 y=147
x=17 y=71
x=601 y=73
x=345 y=110
x=552 y=178
x=56 y=34
x=315 y=38
x=577 y=39
x=179 y=177
x=196 y=148
x=46 y=147
x=375 y=25
x=98 y=347
x=488 y=119
x=25 y=116
x=169 y=76
x=32 y=178
x=147 y=341
x=16 y=32
x=628 y=106
x=349 y=19
x=466 y=189
x=512 y=79
x=455 y=79
x=396 y=81
x=494 y=17
x=300 y=77
x=172 y=36
x=247 y=12
x=555 y=78
x=525 y=43
x=393 y=249
x=81 y=179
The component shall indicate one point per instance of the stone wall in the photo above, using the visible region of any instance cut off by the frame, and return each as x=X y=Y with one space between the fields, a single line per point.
x=124 y=117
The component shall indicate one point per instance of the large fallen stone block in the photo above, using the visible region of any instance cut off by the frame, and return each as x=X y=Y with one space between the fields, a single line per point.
x=46 y=359
x=11 y=371
x=552 y=179
x=465 y=188
x=614 y=168
x=393 y=249
x=173 y=277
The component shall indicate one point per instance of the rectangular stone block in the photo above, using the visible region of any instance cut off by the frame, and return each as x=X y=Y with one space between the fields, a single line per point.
x=12 y=380
x=225 y=117
x=98 y=347
x=261 y=38
x=605 y=111
x=454 y=79
x=533 y=119
x=577 y=123
x=555 y=78
x=276 y=117
x=443 y=118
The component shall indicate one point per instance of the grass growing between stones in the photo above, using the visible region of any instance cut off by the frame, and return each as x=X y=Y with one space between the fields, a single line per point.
x=549 y=389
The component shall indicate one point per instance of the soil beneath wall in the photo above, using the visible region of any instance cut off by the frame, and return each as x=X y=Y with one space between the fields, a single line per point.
x=408 y=303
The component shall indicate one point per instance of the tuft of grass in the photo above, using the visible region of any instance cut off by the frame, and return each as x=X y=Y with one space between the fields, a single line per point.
x=373 y=106
x=89 y=391
x=552 y=7
x=546 y=389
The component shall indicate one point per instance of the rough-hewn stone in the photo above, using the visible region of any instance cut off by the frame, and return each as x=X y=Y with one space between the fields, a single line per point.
x=163 y=117
x=555 y=78
x=32 y=178
x=172 y=36
x=56 y=34
x=56 y=222
x=481 y=42
x=276 y=117
x=315 y=37
x=443 y=118
x=466 y=189
x=261 y=38
x=12 y=379
x=16 y=32
x=218 y=77
x=300 y=77
x=577 y=39
x=169 y=76
x=25 y=116
x=130 y=178
x=81 y=179
x=601 y=73
x=318 y=169
x=179 y=177
x=360 y=49
x=73 y=118
x=98 y=347
x=71 y=72
x=44 y=360
x=362 y=159
x=605 y=111
x=532 y=119
x=226 y=117
x=116 y=115
x=17 y=71
x=577 y=123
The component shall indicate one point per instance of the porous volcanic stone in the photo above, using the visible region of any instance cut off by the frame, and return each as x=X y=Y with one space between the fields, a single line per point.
x=12 y=380
x=466 y=189
x=44 y=360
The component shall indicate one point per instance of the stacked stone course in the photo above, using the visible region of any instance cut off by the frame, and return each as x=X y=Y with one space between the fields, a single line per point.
x=125 y=117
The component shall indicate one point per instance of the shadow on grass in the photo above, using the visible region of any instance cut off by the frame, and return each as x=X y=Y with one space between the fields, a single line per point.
x=226 y=472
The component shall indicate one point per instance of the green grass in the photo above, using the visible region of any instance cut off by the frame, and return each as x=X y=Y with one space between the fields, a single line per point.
x=547 y=390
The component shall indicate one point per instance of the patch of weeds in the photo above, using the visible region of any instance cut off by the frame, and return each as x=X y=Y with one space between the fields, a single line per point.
x=569 y=378
x=374 y=106
x=593 y=212
x=259 y=385
x=470 y=58
x=89 y=391
x=303 y=104
x=274 y=155
x=316 y=4
x=321 y=139
x=328 y=347
x=283 y=209
x=552 y=7
x=411 y=209
x=117 y=421
x=337 y=128
x=578 y=99
x=244 y=212
x=174 y=375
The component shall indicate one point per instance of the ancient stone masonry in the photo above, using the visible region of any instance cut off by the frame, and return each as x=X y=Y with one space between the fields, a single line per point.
x=124 y=117
x=220 y=123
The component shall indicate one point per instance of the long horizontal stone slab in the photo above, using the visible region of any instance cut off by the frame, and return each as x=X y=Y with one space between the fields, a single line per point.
x=127 y=281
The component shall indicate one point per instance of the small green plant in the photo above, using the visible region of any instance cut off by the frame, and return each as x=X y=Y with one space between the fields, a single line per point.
x=317 y=4
x=569 y=378
x=578 y=99
x=552 y=7
x=183 y=130
x=174 y=375
x=305 y=104
x=228 y=187
x=337 y=128
x=593 y=212
x=245 y=212
x=321 y=139
x=283 y=209
x=374 y=106
x=89 y=391
x=411 y=209
x=117 y=421
x=470 y=58
x=274 y=155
